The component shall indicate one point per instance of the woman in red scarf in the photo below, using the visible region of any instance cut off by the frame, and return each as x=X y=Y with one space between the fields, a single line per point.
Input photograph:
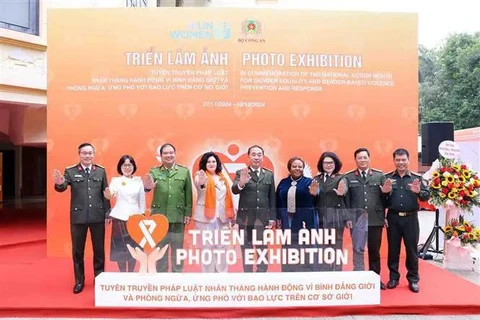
x=214 y=209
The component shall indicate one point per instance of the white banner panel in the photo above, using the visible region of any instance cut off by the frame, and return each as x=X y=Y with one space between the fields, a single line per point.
x=206 y=290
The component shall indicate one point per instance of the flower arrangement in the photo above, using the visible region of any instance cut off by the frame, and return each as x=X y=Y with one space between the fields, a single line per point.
x=462 y=230
x=452 y=183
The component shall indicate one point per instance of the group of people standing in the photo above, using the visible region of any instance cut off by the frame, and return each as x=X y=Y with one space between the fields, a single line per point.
x=359 y=200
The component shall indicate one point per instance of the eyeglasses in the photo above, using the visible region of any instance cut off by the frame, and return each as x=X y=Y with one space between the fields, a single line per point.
x=127 y=165
x=328 y=163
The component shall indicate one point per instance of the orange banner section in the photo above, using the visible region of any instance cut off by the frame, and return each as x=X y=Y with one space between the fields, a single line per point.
x=295 y=82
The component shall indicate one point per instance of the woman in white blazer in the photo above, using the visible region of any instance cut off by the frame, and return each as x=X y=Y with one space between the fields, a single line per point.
x=130 y=199
x=214 y=208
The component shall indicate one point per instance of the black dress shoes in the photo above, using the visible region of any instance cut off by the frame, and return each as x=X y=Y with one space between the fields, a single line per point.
x=382 y=286
x=392 y=284
x=78 y=288
x=413 y=286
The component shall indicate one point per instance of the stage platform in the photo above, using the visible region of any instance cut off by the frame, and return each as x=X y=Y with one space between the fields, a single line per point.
x=32 y=285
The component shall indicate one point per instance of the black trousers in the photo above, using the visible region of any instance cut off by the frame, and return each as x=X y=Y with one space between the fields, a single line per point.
x=79 y=237
x=408 y=229
x=174 y=239
x=374 y=244
x=259 y=226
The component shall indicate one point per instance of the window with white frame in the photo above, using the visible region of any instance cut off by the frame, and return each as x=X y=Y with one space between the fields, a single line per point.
x=20 y=15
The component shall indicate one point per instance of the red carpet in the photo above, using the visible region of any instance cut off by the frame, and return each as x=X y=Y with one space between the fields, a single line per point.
x=14 y=220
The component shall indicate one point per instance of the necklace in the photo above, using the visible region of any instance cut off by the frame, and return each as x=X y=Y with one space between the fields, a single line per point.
x=294 y=181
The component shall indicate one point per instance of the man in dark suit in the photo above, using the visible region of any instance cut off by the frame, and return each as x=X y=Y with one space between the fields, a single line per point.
x=256 y=207
x=367 y=200
x=88 y=210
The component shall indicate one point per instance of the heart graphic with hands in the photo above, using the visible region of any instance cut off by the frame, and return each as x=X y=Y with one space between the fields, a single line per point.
x=147 y=230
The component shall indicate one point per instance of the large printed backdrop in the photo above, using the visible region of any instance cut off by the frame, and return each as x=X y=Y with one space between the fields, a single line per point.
x=295 y=82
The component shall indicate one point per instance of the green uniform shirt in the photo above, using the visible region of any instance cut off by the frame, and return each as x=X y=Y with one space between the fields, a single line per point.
x=402 y=199
x=172 y=195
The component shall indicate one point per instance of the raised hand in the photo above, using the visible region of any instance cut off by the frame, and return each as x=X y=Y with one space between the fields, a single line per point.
x=244 y=177
x=387 y=186
x=415 y=186
x=140 y=256
x=341 y=188
x=107 y=193
x=153 y=257
x=314 y=187
x=148 y=182
x=201 y=177
x=58 y=178
x=157 y=254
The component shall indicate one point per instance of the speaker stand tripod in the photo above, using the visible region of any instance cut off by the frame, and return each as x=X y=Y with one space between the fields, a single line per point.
x=422 y=254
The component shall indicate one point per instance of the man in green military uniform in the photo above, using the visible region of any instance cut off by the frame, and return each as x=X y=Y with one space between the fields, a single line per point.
x=88 y=210
x=366 y=198
x=403 y=189
x=172 y=197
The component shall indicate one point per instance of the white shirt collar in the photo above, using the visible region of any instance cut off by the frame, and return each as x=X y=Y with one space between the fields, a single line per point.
x=89 y=167
x=258 y=170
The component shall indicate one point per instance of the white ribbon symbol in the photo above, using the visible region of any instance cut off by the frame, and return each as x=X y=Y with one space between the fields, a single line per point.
x=147 y=233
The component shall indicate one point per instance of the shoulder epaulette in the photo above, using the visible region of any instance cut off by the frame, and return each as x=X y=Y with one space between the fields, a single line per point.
x=97 y=165
x=72 y=166
x=415 y=173
x=351 y=171
x=266 y=169
x=181 y=165
x=377 y=170
x=391 y=172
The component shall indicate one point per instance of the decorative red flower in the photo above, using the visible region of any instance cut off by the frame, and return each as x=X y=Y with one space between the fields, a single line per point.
x=462 y=193
x=444 y=190
x=443 y=169
x=454 y=223
x=463 y=166
x=470 y=188
x=450 y=186
x=436 y=181
x=468 y=229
